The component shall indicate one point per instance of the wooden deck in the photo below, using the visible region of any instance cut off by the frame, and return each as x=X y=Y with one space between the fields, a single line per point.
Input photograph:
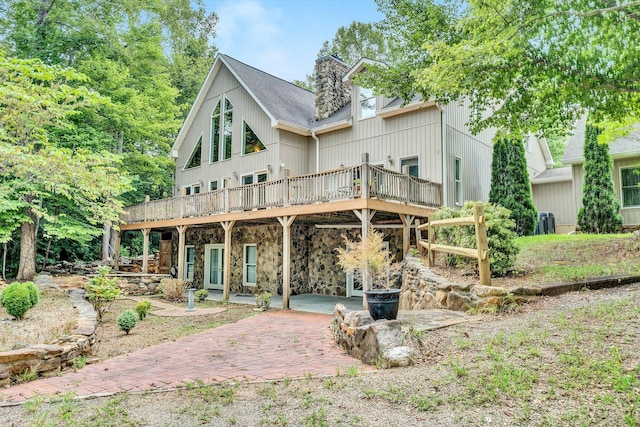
x=326 y=192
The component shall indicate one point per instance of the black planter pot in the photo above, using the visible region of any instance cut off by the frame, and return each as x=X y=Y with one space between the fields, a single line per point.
x=383 y=304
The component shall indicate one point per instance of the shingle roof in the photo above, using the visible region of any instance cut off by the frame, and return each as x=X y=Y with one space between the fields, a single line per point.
x=627 y=146
x=284 y=100
x=553 y=175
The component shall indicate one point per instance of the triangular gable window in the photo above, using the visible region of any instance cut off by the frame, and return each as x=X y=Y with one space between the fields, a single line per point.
x=196 y=156
x=252 y=143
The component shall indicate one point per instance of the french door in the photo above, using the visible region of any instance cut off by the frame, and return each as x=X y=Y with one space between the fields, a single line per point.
x=214 y=266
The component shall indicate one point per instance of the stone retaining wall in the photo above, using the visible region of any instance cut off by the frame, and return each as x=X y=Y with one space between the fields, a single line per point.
x=422 y=289
x=139 y=284
x=48 y=359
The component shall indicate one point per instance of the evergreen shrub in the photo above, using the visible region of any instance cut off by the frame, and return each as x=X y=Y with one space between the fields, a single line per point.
x=501 y=236
x=127 y=320
x=18 y=297
x=143 y=308
x=101 y=291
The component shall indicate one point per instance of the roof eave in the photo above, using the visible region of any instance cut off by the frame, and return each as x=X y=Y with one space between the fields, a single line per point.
x=342 y=124
x=291 y=127
x=399 y=109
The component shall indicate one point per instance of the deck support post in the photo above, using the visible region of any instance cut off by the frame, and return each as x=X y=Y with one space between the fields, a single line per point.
x=145 y=250
x=285 y=222
x=116 y=251
x=181 y=238
x=227 y=226
x=406 y=233
x=365 y=216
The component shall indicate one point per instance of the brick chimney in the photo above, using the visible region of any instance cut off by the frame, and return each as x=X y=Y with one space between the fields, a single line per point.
x=331 y=93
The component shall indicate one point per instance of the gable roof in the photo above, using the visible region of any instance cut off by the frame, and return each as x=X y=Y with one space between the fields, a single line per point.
x=626 y=146
x=553 y=175
x=284 y=103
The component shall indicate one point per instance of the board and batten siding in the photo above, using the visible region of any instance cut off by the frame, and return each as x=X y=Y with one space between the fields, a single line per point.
x=244 y=108
x=552 y=197
x=474 y=152
x=416 y=133
x=294 y=153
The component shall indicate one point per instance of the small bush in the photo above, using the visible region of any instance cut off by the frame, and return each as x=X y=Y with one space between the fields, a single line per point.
x=501 y=236
x=127 y=320
x=18 y=297
x=202 y=294
x=102 y=291
x=173 y=289
x=143 y=308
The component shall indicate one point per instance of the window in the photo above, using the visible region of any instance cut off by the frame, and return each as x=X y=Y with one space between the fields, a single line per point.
x=367 y=103
x=412 y=164
x=458 y=182
x=221 y=132
x=630 y=180
x=252 y=143
x=196 y=156
x=213 y=185
x=227 y=129
x=189 y=258
x=527 y=143
x=249 y=265
x=192 y=189
x=214 y=155
x=226 y=182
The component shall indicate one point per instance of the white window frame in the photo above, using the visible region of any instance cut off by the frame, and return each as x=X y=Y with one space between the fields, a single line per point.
x=402 y=159
x=527 y=143
x=623 y=187
x=245 y=265
x=220 y=104
x=457 y=180
x=226 y=182
x=207 y=266
x=187 y=263
x=360 y=102
x=192 y=152
x=223 y=133
x=211 y=181
x=191 y=188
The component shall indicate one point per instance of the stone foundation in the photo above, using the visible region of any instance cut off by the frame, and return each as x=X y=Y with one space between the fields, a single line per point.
x=422 y=289
x=48 y=359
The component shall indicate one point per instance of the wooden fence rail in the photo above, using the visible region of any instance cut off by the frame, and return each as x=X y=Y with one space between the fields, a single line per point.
x=481 y=253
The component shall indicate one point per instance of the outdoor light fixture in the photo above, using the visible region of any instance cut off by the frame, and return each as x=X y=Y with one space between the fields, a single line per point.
x=269 y=168
x=282 y=165
x=389 y=160
x=235 y=175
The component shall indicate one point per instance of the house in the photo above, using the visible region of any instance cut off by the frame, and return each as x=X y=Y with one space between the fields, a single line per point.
x=560 y=190
x=269 y=176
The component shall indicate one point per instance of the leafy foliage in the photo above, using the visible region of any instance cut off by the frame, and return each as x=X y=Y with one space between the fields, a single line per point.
x=501 y=236
x=202 y=294
x=525 y=66
x=367 y=257
x=510 y=186
x=600 y=211
x=143 y=308
x=18 y=297
x=127 y=320
x=101 y=291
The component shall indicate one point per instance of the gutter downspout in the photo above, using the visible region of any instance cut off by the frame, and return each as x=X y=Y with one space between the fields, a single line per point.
x=313 y=135
x=445 y=156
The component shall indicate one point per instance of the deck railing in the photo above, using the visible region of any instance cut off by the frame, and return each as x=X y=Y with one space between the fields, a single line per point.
x=339 y=184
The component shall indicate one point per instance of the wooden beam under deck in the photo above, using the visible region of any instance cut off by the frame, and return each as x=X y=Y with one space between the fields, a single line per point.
x=297 y=210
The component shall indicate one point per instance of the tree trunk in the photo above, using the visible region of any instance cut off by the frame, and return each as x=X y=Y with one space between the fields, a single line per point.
x=4 y=261
x=46 y=255
x=27 y=267
x=106 y=240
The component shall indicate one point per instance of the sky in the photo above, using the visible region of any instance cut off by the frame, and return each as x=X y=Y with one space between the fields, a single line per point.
x=283 y=37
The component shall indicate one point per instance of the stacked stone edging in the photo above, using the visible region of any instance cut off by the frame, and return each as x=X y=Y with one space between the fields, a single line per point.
x=139 y=284
x=48 y=359
x=422 y=289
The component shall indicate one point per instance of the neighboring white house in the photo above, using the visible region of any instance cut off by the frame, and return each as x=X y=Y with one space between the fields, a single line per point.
x=560 y=190
x=269 y=176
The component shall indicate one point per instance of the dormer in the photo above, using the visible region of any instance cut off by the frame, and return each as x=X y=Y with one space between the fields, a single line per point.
x=366 y=104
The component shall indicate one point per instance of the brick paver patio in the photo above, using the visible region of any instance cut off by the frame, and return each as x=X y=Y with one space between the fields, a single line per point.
x=268 y=346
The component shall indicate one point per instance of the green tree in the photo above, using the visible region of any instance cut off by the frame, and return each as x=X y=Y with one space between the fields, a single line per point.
x=358 y=40
x=600 y=211
x=34 y=171
x=510 y=186
x=524 y=66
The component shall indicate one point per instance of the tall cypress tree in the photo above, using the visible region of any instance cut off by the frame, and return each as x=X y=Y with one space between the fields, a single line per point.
x=510 y=184
x=600 y=211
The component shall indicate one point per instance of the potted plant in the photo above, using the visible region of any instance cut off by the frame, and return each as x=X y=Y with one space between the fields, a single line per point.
x=371 y=261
